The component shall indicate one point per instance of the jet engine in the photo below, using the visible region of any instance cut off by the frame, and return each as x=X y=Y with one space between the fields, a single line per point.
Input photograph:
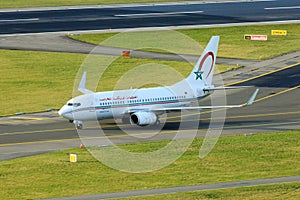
x=143 y=118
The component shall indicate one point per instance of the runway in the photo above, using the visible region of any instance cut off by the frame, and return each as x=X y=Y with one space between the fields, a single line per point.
x=276 y=108
x=145 y=16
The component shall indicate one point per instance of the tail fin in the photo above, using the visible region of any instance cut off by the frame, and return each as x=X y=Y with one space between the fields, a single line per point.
x=203 y=71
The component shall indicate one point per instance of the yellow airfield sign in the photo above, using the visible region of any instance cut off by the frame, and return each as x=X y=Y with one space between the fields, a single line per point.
x=73 y=158
x=279 y=32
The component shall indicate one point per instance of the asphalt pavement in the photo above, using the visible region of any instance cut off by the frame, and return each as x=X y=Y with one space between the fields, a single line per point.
x=191 y=188
x=62 y=43
x=145 y=16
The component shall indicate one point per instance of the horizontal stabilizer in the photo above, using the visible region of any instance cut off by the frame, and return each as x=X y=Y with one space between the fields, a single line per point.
x=226 y=88
x=81 y=87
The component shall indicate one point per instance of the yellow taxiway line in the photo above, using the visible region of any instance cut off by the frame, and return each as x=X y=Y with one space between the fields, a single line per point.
x=257 y=100
x=264 y=74
x=108 y=126
x=278 y=93
x=138 y=134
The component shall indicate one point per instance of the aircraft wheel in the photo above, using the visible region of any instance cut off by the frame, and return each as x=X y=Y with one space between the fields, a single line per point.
x=79 y=126
x=157 y=122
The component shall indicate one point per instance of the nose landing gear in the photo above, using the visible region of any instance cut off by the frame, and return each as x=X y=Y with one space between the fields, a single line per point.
x=78 y=124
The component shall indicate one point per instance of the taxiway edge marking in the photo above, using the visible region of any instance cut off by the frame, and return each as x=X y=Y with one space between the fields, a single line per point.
x=264 y=74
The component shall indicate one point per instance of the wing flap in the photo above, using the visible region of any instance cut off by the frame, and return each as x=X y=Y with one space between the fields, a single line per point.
x=249 y=102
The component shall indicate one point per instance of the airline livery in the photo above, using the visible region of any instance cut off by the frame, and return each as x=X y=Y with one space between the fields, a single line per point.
x=144 y=106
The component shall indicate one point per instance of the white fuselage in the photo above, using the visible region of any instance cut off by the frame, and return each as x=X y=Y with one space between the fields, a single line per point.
x=118 y=104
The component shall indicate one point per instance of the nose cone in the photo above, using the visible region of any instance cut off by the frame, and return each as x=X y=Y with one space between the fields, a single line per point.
x=66 y=112
x=61 y=111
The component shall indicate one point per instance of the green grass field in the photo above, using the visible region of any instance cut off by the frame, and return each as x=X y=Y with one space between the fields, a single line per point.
x=40 y=3
x=233 y=158
x=232 y=43
x=287 y=191
x=35 y=81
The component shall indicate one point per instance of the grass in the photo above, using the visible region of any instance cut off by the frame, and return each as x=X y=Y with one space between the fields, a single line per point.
x=36 y=81
x=41 y=3
x=288 y=191
x=232 y=44
x=233 y=158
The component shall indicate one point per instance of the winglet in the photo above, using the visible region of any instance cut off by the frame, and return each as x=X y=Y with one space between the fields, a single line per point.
x=81 y=86
x=252 y=98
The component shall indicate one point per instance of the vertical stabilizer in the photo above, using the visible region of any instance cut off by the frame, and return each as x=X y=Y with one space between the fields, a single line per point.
x=203 y=71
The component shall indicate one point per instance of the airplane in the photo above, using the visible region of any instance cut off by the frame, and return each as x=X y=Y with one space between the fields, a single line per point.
x=143 y=106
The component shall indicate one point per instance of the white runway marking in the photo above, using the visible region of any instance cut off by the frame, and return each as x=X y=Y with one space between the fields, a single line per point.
x=19 y=20
x=158 y=14
x=283 y=8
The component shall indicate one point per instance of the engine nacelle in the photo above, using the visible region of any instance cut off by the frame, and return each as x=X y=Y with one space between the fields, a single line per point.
x=143 y=118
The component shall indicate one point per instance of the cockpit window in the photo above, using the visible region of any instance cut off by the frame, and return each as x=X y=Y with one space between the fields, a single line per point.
x=74 y=104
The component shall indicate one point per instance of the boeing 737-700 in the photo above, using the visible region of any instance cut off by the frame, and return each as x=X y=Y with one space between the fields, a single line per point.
x=144 y=106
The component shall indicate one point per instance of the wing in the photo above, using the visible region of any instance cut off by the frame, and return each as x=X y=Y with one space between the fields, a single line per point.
x=249 y=102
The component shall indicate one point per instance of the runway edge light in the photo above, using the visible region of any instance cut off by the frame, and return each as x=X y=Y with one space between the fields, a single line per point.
x=73 y=158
